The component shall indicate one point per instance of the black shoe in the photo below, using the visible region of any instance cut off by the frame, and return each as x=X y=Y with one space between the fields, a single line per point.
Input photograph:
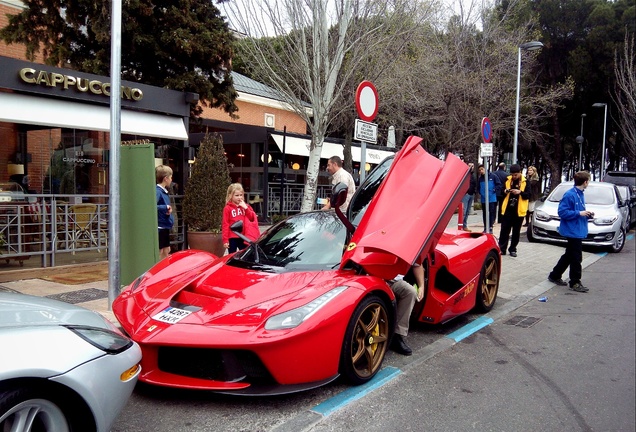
x=579 y=288
x=503 y=252
x=399 y=346
x=513 y=254
x=559 y=281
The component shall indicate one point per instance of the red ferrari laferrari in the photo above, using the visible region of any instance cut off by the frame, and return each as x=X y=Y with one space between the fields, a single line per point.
x=310 y=300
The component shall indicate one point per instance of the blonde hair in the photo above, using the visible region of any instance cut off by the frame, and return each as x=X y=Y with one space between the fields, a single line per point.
x=534 y=176
x=161 y=172
x=231 y=189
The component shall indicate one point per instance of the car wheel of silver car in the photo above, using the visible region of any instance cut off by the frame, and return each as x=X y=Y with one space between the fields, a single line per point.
x=30 y=409
x=366 y=341
x=619 y=241
x=488 y=283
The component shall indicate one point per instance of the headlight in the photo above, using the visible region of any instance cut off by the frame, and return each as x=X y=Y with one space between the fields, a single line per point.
x=542 y=216
x=295 y=317
x=137 y=282
x=106 y=340
x=605 y=220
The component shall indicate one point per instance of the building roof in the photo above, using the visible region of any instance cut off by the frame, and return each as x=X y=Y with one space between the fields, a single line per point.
x=244 y=84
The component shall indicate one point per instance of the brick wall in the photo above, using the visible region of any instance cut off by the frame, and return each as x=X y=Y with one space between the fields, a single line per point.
x=16 y=51
x=253 y=114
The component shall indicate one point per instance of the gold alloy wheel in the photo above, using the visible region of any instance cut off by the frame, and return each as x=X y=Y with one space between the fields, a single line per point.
x=369 y=340
x=490 y=281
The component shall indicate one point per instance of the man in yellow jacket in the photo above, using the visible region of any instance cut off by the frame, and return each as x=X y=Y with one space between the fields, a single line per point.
x=513 y=210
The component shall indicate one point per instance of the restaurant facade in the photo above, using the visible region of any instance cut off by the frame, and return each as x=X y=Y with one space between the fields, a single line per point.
x=54 y=156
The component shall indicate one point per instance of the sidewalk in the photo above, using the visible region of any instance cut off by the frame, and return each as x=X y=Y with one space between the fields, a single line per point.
x=518 y=275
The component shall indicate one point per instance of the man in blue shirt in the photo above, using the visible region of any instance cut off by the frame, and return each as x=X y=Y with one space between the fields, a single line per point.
x=573 y=227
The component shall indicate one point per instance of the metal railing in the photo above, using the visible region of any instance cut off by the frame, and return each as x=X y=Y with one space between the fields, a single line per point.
x=45 y=226
x=292 y=198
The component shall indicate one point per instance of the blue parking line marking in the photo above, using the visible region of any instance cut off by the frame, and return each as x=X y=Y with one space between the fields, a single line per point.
x=354 y=393
x=630 y=236
x=601 y=254
x=470 y=328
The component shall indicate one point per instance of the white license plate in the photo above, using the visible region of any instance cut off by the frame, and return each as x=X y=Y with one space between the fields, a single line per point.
x=171 y=315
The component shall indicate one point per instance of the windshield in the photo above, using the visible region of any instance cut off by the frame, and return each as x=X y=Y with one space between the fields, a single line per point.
x=594 y=194
x=306 y=241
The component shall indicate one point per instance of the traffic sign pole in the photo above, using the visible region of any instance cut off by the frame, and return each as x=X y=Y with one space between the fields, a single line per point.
x=367 y=103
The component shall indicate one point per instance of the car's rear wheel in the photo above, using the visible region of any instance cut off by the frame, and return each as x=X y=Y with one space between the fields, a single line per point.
x=619 y=241
x=366 y=341
x=488 y=283
x=33 y=409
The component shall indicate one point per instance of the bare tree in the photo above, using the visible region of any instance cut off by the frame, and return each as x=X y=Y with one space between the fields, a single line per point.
x=625 y=98
x=309 y=49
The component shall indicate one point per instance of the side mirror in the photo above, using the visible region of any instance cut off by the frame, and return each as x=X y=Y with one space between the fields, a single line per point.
x=338 y=195
x=237 y=227
x=338 y=198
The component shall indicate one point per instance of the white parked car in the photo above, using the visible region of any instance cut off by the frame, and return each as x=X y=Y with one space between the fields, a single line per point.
x=608 y=227
x=63 y=368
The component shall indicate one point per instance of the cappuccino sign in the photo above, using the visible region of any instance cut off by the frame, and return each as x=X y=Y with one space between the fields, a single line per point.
x=83 y=85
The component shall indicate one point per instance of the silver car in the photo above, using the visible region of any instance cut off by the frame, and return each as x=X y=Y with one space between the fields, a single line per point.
x=62 y=368
x=607 y=228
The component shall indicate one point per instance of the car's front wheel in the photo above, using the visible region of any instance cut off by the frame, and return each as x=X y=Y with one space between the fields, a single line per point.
x=366 y=341
x=488 y=283
x=619 y=241
x=32 y=409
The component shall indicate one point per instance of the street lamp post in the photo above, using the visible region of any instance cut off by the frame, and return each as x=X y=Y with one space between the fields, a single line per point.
x=604 y=105
x=580 y=140
x=528 y=46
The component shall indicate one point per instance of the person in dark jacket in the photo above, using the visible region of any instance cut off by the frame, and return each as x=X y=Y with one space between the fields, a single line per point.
x=535 y=191
x=573 y=226
x=467 y=201
x=494 y=186
x=163 y=174
x=514 y=209
x=502 y=175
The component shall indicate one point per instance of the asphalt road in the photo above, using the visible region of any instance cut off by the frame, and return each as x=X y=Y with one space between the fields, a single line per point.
x=569 y=365
x=562 y=365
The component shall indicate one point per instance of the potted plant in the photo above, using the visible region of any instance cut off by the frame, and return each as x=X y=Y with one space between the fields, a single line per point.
x=204 y=196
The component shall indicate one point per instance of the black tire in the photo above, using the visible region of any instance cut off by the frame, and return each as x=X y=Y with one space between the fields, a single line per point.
x=529 y=234
x=52 y=413
x=366 y=341
x=619 y=242
x=488 y=283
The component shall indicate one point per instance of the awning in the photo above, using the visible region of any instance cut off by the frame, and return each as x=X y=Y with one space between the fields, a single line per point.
x=300 y=147
x=19 y=108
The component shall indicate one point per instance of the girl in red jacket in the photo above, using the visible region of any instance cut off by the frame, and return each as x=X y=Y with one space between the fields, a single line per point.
x=236 y=209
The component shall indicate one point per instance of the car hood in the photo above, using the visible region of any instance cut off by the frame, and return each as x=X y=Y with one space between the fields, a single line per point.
x=224 y=291
x=25 y=310
x=552 y=208
x=409 y=212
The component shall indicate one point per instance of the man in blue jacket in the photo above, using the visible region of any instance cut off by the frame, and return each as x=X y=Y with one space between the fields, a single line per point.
x=573 y=227
x=494 y=188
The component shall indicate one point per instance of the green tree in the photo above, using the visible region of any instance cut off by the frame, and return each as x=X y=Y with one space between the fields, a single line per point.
x=206 y=190
x=183 y=45
x=579 y=46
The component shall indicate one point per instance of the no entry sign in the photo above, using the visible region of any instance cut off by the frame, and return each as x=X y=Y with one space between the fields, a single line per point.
x=367 y=101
